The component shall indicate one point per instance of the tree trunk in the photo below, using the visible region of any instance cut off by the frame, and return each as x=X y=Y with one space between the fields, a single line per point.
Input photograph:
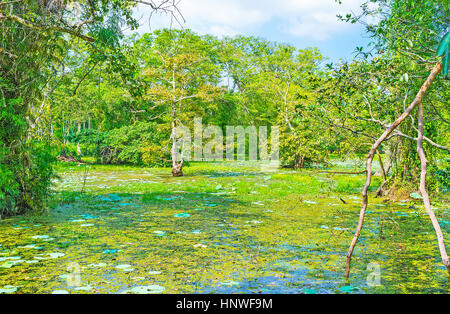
x=384 y=173
x=177 y=170
x=424 y=192
x=177 y=166
x=418 y=100
x=384 y=168
x=299 y=163
x=78 y=144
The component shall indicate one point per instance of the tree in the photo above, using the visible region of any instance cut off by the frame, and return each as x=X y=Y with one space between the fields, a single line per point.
x=180 y=77
x=406 y=35
x=275 y=84
x=289 y=82
x=33 y=47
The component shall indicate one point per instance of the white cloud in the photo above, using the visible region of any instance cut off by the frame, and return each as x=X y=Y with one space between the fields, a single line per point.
x=310 y=19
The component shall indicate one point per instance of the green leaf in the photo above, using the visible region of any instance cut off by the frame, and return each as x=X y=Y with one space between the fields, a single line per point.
x=60 y=292
x=443 y=47
x=406 y=77
x=445 y=65
x=443 y=50
x=348 y=289
x=8 y=289
x=416 y=196
x=145 y=289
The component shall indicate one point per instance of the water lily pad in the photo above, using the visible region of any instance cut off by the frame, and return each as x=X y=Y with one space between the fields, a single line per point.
x=9 y=258
x=309 y=291
x=182 y=215
x=41 y=237
x=230 y=283
x=146 y=289
x=87 y=216
x=256 y=222
x=8 y=289
x=348 y=289
x=114 y=197
x=154 y=272
x=60 y=292
x=98 y=265
x=49 y=256
x=110 y=251
x=416 y=196
x=32 y=261
x=159 y=233
x=125 y=267
x=9 y=264
x=30 y=246
x=85 y=288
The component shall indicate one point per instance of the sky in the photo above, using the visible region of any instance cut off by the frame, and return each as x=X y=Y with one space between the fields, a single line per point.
x=301 y=23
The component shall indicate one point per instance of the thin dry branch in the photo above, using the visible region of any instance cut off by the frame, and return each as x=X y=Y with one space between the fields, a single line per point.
x=401 y=134
x=436 y=70
x=424 y=192
x=84 y=77
x=31 y=25
x=44 y=100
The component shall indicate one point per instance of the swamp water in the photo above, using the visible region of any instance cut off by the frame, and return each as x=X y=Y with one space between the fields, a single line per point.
x=222 y=228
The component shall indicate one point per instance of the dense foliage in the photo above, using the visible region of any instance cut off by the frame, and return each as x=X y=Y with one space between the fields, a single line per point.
x=25 y=166
x=368 y=94
x=139 y=144
x=72 y=82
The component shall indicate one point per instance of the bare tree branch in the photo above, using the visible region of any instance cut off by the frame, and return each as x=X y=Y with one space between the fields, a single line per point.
x=436 y=70
x=31 y=25
x=424 y=192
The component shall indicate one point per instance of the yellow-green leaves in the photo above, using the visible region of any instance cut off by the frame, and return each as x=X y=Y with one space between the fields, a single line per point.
x=443 y=50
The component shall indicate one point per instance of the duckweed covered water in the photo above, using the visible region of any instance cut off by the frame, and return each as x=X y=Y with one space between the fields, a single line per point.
x=223 y=228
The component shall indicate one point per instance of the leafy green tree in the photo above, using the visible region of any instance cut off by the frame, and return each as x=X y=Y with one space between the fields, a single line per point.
x=365 y=96
x=275 y=85
x=289 y=81
x=35 y=42
x=180 y=78
x=407 y=36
